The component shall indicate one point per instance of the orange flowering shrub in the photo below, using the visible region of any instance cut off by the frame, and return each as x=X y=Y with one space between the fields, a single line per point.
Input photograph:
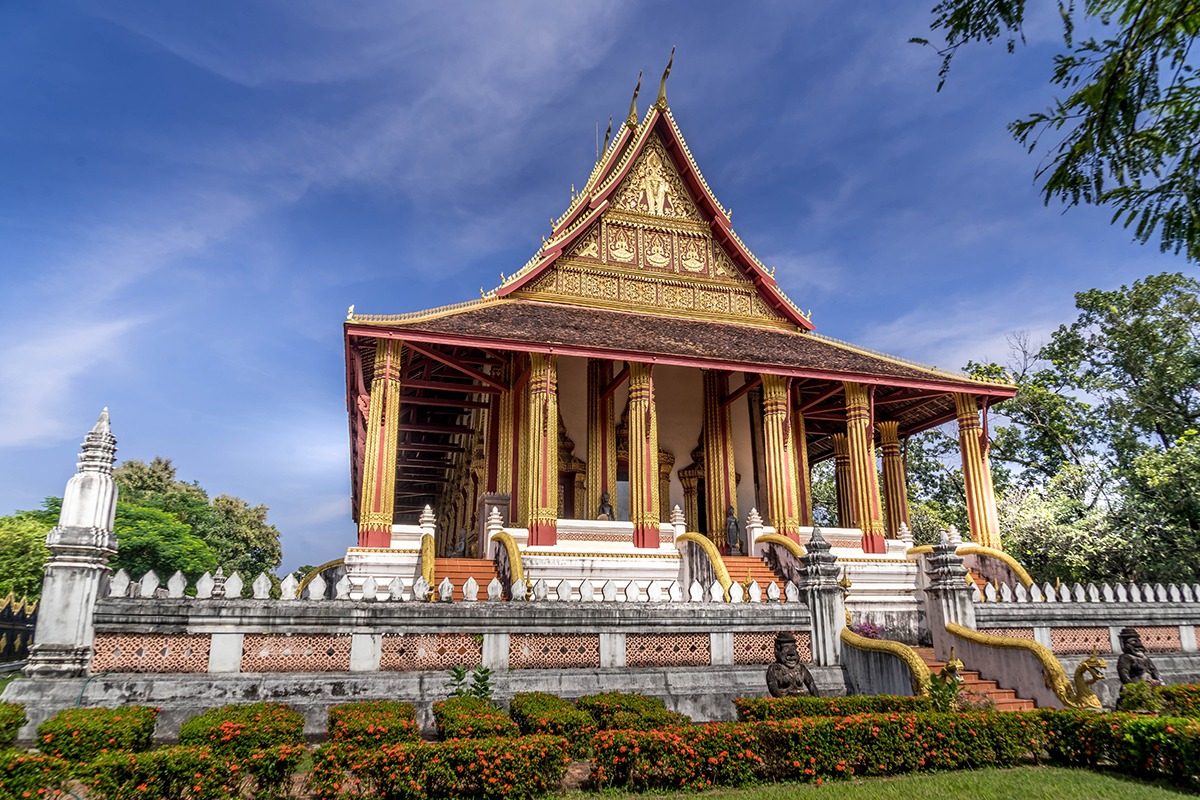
x=810 y=748
x=31 y=774
x=81 y=734
x=194 y=773
x=1182 y=700
x=379 y=722
x=239 y=730
x=617 y=710
x=758 y=709
x=541 y=713
x=1166 y=747
x=469 y=717
x=490 y=768
x=12 y=717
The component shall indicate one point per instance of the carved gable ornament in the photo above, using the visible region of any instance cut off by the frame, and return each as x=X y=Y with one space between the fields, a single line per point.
x=654 y=187
x=653 y=251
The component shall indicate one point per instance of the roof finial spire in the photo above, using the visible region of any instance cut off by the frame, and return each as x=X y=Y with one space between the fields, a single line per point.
x=607 y=135
x=661 y=102
x=632 y=119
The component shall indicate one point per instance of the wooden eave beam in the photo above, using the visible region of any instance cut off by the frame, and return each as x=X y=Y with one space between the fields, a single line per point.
x=448 y=386
x=615 y=383
x=455 y=364
x=745 y=388
x=433 y=447
x=421 y=427
x=421 y=400
x=837 y=389
x=909 y=398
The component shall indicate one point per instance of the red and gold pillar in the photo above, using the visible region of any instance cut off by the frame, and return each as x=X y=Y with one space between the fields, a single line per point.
x=539 y=495
x=841 y=480
x=643 y=456
x=378 y=500
x=783 y=501
x=803 y=473
x=895 y=483
x=720 y=476
x=864 y=477
x=977 y=474
x=602 y=438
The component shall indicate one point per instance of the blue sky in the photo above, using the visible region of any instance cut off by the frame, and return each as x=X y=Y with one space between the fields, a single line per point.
x=191 y=195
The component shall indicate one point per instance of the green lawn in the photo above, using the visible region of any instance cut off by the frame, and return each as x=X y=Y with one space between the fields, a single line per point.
x=1027 y=783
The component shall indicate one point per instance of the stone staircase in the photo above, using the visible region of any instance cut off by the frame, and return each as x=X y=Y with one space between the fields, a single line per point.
x=972 y=682
x=459 y=569
x=741 y=566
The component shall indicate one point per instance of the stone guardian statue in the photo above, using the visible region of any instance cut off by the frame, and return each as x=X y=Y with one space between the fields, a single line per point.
x=787 y=677
x=1134 y=666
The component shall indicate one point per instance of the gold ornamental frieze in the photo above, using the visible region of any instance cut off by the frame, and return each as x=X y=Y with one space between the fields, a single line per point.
x=654 y=187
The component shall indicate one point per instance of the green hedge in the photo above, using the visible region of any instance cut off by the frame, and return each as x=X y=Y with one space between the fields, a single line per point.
x=471 y=718
x=1181 y=700
x=759 y=709
x=25 y=774
x=541 y=713
x=1167 y=747
x=620 y=711
x=379 y=722
x=808 y=749
x=12 y=717
x=196 y=773
x=498 y=767
x=239 y=730
x=81 y=734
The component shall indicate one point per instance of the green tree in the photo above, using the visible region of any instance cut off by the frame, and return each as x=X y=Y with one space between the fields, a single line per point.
x=23 y=555
x=152 y=539
x=1123 y=133
x=237 y=533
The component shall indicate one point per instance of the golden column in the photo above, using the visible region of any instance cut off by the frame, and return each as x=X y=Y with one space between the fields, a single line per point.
x=977 y=474
x=864 y=477
x=720 y=478
x=539 y=480
x=841 y=480
x=378 y=500
x=643 y=456
x=895 y=483
x=602 y=437
x=666 y=463
x=803 y=473
x=783 y=501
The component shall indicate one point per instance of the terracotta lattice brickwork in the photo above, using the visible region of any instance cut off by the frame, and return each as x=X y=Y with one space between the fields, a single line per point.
x=1161 y=638
x=282 y=653
x=1080 y=640
x=759 y=647
x=537 y=651
x=149 y=653
x=405 y=652
x=1012 y=633
x=668 y=650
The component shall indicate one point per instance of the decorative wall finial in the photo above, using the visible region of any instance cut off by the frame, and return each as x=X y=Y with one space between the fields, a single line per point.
x=661 y=102
x=632 y=119
x=350 y=313
x=99 y=447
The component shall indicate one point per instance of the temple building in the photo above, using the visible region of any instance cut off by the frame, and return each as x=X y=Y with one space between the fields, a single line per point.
x=641 y=376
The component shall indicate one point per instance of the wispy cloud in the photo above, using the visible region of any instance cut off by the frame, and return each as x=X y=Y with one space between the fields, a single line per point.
x=40 y=372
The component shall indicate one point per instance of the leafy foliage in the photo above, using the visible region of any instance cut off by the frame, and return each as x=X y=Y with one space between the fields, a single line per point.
x=192 y=772
x=23 y=554
x=79 y=735
x=538 y=713
x=489 y=768
x=629 y=711
x=25 y=774
x=12 y=718
x=1124 y=131
x=761 y=709
x=468 y=717
x=240 y=730
x=375 y=722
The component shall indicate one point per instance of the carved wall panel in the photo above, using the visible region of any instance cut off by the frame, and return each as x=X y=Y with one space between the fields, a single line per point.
x=759 y=647
x=150 y=653
x=404 y=652
x=1080 y=640
x=538 y=651
x=283 y=653
x=668 y=650
x=1160 y=638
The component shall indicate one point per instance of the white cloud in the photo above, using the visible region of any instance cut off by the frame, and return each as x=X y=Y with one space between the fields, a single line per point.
x=40 y=374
